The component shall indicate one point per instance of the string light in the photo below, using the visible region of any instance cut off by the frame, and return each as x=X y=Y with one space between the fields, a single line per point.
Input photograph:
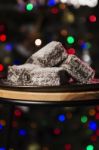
x=51 y=2
x=90 y=147
x=92 y=112
x=3 y=122
x=57 y=131
x=67 y=146
x=70 y=40
x=1 y=126
x=3 y=37
x=2 y=148
x=1 y=67
x=84 y=119
x=18 y=113
x=54 y=10
x=71 y=51
x=61 y=118
x=97 y=132
x=29 y=7
x=93 y=138
x=92 y=18
x=97 y=116
x=92 y=125
x=38 y=42
x=22 y=132
x=8 y=47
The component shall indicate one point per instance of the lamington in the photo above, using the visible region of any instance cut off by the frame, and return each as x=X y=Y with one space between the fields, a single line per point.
x=54 y=76
x=15 y=71
x=49 y=56
x=78 y=69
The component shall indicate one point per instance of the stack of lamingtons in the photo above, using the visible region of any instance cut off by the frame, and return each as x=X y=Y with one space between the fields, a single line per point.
x=50 y=66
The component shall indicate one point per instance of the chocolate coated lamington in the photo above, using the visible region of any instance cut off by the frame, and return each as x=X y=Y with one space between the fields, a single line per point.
x=54 y=76
x=14 y=72
x=78 y=69
x=48 y=56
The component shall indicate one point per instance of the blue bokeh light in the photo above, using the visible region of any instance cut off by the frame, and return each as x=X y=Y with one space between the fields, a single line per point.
x=92 y=125
x=22 y=132
x=2 y=148
x=8 y=47
x=1 y=126
x=51 y=3
x=61 y=117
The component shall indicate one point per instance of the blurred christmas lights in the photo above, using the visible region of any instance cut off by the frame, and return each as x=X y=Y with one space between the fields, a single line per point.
x=29 y=7
x=92 y=125
x=68 y=146
x=71 y=51
x=54 y=10
x=22 y=132
x=3 y=37
x=1 y=127
x=18 y=113
x=51 y=2
x=1 y=67
x=84 y=119
x=61 y=117
x=92 y=18
x=38 y=42
x=8 y=47
x=2 y=148
x=70 y=39
x=90 y=147
x=57 y=131
x=93 y=138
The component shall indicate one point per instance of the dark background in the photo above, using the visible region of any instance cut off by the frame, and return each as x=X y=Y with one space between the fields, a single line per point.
x=68 y=128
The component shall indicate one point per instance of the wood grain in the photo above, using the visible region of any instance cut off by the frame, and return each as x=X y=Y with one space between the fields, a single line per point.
x=52 y=97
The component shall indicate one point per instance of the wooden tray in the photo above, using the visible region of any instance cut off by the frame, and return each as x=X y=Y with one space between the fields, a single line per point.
x=50 y=95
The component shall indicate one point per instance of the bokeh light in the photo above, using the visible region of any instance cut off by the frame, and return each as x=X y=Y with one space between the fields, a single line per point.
x=70 y=39
x=3 y=37
x=1 y=67
x=51 y=2
x=92 y=18
x=89 y=147
x=68 y=146
x=2 y=148
x=57 y=131
x=22 y=132
x=61 y=117
x=38 y=42
x=71 y=51
x=84 y=119
x=29 y=7
x=92 y=125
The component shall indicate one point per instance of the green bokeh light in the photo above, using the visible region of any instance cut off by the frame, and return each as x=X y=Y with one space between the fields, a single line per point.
x=84 y=119
x=70 y=39
x=29 y=6
x=90 y=147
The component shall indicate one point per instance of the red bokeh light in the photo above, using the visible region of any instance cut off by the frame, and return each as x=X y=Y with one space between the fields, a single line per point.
x=93 y=138
x=18 y=113
x=57 y=131
x=97 y=132
x=1 y=67
x=71 y=51
x=3 y=38
x=97 y=116
x=92 y=18
x=67 y=146
x=54 y=10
